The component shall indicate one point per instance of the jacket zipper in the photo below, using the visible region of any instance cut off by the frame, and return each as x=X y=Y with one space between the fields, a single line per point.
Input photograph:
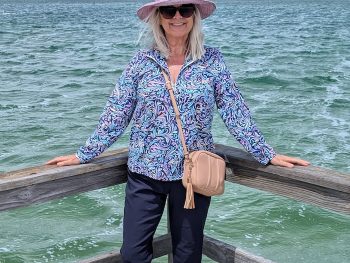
x=168 y=72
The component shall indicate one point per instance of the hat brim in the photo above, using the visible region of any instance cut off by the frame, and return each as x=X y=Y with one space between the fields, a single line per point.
x=206 y=8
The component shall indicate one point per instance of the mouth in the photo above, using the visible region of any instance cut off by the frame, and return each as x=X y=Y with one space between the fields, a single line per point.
x=177 y=24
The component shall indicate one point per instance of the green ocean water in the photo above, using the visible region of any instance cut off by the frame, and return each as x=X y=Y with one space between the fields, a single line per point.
x=59 y=60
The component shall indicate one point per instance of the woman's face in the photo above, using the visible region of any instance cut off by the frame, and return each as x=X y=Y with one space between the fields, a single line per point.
x=178 y=26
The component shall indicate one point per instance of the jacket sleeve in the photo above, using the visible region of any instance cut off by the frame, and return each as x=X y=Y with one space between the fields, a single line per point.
x=116 y=115
x=236 y=115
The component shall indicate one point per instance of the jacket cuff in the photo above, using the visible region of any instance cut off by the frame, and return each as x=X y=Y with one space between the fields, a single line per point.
x=267 y=156
x=82 y=158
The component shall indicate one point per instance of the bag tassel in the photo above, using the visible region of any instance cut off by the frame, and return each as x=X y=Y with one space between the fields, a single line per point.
x=189 y=203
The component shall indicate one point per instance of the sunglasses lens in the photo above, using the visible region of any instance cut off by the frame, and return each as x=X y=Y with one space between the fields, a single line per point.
x=168 y=12
x=186 y=11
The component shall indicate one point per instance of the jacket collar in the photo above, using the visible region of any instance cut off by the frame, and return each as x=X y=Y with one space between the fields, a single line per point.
x=158 y=58
x=161 y=60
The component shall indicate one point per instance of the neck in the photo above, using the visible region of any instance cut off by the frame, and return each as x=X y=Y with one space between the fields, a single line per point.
x=177 y=46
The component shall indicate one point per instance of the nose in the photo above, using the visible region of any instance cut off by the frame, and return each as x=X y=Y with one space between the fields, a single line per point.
x=177 y=14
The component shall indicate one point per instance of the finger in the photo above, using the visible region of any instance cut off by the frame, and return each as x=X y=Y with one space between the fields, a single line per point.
x=57 y=160
x=52 y=161
x=286 y=164
x=302 y=162
x=296 y=161
x=281 y=162
x=66 y=163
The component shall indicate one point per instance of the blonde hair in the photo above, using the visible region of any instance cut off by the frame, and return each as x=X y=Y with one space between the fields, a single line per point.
x=153 y=36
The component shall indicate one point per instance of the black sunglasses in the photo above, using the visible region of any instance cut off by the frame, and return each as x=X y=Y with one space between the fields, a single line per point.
x=168 y=12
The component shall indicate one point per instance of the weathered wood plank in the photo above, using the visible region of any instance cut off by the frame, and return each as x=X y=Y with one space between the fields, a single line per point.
x=212 y=248
x=46 y=173
x=309 y=193
x=243 y=256
x=111 y=257
x=226 y=253
x=314 y=185
x=61 y=187
x=218 y=251
x=318 y=186
x=161 y=247
x=309 y=174
x=43 y=183
x=322 y=187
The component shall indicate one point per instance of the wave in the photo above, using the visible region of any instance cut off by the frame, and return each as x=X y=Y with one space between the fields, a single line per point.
x=268 y=80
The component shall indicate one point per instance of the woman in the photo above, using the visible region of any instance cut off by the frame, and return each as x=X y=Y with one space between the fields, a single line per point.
x=201 y=80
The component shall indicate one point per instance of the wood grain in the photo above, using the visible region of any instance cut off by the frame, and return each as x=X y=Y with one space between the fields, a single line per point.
x=314 y=185
x=161 y=247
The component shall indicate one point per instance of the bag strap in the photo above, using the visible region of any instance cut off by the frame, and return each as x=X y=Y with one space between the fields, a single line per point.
x=177 y=114
x=189 y=201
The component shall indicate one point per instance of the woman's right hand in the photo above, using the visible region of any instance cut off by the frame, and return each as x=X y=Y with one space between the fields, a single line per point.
x=64 y=160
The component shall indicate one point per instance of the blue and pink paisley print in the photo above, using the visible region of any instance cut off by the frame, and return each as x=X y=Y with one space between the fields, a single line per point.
x=140 y=96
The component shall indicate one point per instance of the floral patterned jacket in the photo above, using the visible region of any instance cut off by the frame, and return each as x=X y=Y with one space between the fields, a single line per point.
x=140 y=96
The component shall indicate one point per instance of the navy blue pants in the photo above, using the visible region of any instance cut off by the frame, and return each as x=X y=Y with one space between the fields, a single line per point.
x=144 y=205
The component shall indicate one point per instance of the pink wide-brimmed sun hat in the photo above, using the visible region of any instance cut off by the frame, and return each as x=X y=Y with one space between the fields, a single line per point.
x=205 y=7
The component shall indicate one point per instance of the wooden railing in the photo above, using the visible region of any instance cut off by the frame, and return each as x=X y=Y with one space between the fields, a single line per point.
x=314 y=185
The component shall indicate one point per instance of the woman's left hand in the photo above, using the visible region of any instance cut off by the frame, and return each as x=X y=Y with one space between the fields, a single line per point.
x=286 y=161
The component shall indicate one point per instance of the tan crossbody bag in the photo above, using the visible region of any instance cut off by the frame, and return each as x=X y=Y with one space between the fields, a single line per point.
x=204 y=172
